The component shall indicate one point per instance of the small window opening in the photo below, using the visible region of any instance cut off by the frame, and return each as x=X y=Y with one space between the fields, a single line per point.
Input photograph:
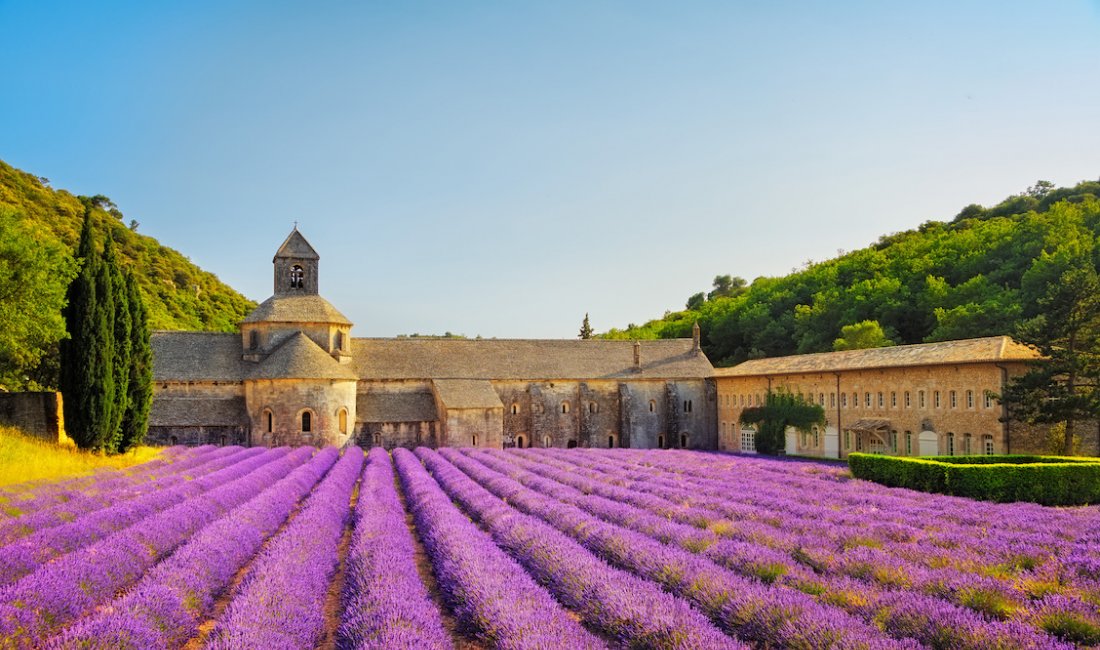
x=660 y=442
x=565 y=407
x=297 y=277
x=683 y=441
x=572 y=444
x=611 y=442
x=376 y=440
x=253 y=340
x=652 y=405
x=343 y=420
x=269 y=421
x=546 y=442
x=307 y=422
x=473 y=440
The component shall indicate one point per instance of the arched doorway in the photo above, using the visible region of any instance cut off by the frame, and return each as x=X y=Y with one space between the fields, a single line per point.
x=661 y=441
x=376 y=440
x=521 y=441
x=571 y=444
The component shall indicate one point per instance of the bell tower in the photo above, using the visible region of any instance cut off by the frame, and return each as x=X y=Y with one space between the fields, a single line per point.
x=296 y=267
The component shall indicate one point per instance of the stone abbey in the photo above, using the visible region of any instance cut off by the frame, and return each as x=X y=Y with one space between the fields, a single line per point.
x=294 y=375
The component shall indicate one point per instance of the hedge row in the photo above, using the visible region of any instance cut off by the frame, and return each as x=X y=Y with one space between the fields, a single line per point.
x=1050 y=481
x=1014 y=459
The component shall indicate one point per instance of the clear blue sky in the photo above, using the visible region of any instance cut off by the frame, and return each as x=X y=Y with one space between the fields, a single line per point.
x=501 y=168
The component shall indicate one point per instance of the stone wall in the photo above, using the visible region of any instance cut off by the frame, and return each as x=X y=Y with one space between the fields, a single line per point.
x=286 y=400
x=397 y=434
x=194 y=436
x=37 y=414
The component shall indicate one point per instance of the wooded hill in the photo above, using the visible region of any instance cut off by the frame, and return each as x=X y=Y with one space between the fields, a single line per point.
x=980 y=274
x=39 y=229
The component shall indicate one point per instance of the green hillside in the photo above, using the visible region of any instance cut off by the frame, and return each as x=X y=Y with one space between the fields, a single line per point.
x=39 y=229
x=979 y=274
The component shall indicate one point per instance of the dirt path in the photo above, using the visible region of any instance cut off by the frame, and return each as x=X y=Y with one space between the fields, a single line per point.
x=334 y=605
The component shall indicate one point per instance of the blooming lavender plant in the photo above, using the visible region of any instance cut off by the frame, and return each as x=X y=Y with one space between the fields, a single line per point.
x=164 y=609
x=281 y=602
x=489 y=593
x=58 y=592
x=385 y=602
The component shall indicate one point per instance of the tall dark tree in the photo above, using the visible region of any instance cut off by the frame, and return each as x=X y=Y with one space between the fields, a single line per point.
x=781 y=409
x=135 y=421
x=83 y=358
x=1064 y=388
x=586 y=328
x=121 y=340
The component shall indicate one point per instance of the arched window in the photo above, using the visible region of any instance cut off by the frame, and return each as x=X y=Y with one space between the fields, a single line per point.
x=174 y=440
x=593 y=407
x=520 y=441
x=546 y=442
x=307 y=421
x=515 y=408
x=269 y=420
x=565 y=407
x=342 y=420
x=652 y=405
x=253 y=340
x=473 y=440
x=297 y=277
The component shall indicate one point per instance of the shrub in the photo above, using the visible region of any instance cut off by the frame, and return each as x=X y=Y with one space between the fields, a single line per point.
x=1046 y=480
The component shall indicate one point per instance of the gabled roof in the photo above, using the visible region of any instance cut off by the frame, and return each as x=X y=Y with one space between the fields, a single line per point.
x=991 y=349
x=300 y=358
x=198 y=412
x=296 y=309
x=526 y=359
x=196 y=356
x=385 y=406
x=467 y=394
x=295 y=246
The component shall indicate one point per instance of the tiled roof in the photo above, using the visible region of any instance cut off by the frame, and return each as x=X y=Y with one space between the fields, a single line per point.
x=531 y=359
x=296 y=309
x=296 y=246
x=467 y=394
x=196 y=356
x=990 y=349
x=300 y=358
x=198 y=411
x=382 y=406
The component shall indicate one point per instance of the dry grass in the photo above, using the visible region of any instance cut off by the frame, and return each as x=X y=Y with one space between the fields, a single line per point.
x=23 y=458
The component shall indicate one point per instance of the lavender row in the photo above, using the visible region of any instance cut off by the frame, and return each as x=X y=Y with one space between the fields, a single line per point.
x=488 y=592
x=385 y=602
x=80 y=502
x=281 y=602
x=879 y=606
x=58 y=592
x=632 y=611
x=745 y=608
x=165 y=608
x=24 y=555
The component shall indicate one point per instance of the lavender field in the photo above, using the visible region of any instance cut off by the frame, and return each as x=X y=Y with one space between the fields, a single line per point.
x=300 y=548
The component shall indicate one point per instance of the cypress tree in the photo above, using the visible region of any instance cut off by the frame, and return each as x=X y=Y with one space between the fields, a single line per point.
x=103 y=349
x=120 y=360
x=135 y=422
x=78 y=358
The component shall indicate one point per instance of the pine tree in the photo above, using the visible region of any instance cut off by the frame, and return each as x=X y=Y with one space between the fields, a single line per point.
x=81 y=358
x=586 y=328
x=120 y=361
x=135 y=422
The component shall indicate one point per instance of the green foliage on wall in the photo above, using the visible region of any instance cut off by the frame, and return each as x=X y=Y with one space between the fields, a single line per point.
x=39 y=231
x=781 y=409
x=944 y=280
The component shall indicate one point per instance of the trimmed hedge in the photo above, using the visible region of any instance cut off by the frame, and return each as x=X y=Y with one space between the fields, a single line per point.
x=1047 y=480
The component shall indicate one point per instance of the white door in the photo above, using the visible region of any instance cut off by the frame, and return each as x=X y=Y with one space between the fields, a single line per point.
x=832 y=443
x=929 y=443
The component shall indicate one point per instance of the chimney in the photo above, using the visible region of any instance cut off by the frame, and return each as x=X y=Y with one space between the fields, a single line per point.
x=637 y=356
x=695 y=348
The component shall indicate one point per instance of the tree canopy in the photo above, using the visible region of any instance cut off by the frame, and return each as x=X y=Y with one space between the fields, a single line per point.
x=39 y=234
x=968 y=277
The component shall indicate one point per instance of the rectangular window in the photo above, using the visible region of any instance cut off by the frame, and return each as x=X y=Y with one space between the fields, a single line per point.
x=987 y=443
x=893 y=400
x=954 y=399
x=950 y=444
x=844 y=400
x=920 y=398
x=832 y=399
x=935 y=399
x=859 y=441
x=969 y=399
x=748 y=440
x=966 y=444
x=907 y=402
x=880 y=402
x=867 y=400
x=908 y=443
x=847 y=439
x=821 y=399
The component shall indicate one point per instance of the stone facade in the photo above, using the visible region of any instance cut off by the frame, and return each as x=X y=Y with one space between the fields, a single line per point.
x=294 y=375
x=38 y=414
x=917 y=400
